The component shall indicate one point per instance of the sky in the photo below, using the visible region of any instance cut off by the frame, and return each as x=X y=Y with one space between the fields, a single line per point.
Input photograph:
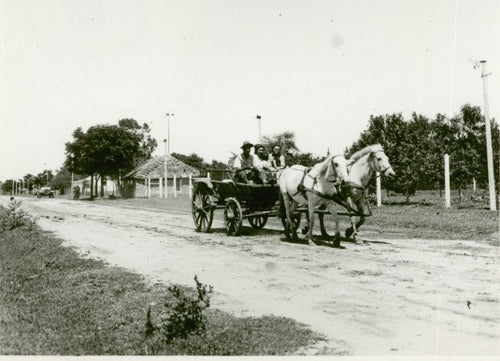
x=316 y=68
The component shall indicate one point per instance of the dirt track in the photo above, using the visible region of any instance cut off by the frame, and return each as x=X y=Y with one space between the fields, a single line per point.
x=387 y=297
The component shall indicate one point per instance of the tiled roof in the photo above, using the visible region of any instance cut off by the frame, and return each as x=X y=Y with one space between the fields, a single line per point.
x=153 y=168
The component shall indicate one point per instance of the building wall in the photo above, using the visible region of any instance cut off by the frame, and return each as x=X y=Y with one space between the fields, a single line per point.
x=137 y=188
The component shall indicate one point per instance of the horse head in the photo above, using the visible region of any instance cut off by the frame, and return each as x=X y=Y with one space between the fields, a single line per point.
x=335 y=170
x=380 y=161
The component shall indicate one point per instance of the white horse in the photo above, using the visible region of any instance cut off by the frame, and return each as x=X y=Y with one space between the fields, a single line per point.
x=362 y=167
x=315 y=187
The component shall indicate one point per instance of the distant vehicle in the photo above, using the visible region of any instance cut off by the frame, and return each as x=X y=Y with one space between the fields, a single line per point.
x=45 y=192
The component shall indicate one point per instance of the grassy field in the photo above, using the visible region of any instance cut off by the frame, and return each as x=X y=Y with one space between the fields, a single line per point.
x=52 y=302
x=423 y=217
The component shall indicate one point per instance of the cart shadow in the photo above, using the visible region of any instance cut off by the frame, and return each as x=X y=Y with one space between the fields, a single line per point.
x=249 y=231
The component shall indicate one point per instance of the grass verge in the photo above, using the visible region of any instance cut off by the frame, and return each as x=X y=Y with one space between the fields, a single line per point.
x=52 y=302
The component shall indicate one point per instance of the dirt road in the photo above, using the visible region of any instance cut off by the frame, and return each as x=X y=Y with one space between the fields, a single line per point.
x=387 y=297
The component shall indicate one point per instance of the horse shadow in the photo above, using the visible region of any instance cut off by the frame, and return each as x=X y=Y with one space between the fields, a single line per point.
x=318 y=241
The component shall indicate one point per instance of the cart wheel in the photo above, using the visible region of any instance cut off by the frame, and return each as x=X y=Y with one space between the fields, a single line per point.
x=257 y=222
x=295 y=218
x=233 y=217
x=202 y=210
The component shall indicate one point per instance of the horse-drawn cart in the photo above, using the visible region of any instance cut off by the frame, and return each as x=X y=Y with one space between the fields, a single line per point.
x=255 y=202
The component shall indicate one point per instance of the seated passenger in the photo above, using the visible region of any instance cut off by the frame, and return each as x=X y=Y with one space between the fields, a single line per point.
x=277 y=159
x=263 y=165
x=246 y=161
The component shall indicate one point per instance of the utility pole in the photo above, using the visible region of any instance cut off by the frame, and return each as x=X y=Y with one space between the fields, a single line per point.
x=489 y=149
x=165 y=168
x=259 y=119
x=168 y=115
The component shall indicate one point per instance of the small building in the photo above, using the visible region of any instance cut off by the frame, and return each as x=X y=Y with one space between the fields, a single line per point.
x=110 y=187
x=148 y=180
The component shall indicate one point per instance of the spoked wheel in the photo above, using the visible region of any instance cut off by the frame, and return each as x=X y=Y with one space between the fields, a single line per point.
x=258 y=222
x=295 y=218
x=233 y=217
x=202 y=210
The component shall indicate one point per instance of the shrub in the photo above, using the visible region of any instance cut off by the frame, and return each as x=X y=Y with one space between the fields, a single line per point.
x=182 y=315
x=13 y=216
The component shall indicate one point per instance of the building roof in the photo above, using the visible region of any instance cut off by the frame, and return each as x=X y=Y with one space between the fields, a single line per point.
x=154 y=168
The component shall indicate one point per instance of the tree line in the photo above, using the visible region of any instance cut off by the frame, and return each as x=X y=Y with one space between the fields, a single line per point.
x=415 y=147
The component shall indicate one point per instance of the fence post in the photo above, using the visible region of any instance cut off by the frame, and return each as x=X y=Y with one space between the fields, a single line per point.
x=447 y=181
x=379 y=190
x=175 y=185
x=190 y=188
x=160 y=187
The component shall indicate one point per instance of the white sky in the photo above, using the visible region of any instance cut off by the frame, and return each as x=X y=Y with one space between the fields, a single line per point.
x=317 y=68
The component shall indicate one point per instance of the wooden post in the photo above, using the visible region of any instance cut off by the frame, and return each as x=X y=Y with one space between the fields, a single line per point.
x=160 y=187
x=190 y=189
x=447 y=181
x=175 y=185
x=474 y=184
x=148 y=181
x=379 y=191
x=489 y=148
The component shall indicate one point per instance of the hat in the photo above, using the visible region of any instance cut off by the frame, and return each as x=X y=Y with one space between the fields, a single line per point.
x=257 y=146
x=246 y=145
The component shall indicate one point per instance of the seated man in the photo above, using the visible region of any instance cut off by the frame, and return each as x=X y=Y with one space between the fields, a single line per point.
x=243 y=164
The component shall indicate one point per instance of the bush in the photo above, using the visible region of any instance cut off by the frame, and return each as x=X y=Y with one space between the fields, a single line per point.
x=183 y=314
x=13 y=216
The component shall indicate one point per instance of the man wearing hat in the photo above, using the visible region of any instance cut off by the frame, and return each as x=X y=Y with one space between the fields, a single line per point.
x=245 y=159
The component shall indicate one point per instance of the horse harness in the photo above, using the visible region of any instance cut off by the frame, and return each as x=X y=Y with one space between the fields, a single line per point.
x=302 y=190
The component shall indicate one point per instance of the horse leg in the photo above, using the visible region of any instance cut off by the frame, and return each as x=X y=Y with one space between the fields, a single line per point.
x=333 y=212
x=352 y=231
x=310 y=221
x=290 y=221
x=289 y=228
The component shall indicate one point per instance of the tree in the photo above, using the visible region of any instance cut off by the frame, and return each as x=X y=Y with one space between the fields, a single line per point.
x=7 y=186
x=194 y=160
x=218 y=165
x=29 y=180
x=62 y=179
x=147 y=144
x=464 y=151
x=107 y=150
x=393 y=133
x=307 y=159
x=43 y=179
x=285 y=140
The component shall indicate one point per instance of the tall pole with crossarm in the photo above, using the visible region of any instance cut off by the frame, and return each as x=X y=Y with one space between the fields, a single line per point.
x=489 y=149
